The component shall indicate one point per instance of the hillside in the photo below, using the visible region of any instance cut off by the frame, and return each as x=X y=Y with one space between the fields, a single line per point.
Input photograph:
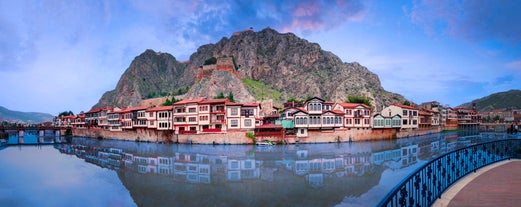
x=501 y=100
x=28 y=117
x=269 y=64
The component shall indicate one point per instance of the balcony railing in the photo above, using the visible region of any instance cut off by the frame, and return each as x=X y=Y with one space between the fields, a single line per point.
x=217 y=121
x=212 y=130
x=427 y=184
x=187 y=132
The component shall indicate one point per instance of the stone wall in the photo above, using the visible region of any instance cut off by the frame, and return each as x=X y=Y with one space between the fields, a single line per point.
x=240 y=136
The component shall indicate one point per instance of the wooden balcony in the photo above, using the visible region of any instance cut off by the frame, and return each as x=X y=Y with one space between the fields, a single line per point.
x=212 y=130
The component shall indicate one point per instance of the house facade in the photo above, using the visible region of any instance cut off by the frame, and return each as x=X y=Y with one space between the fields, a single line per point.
x=409 y=115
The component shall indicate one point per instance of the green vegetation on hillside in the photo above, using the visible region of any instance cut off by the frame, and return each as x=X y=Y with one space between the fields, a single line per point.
x=33 y=117
x=169 y=102
x=210 y=61
x=502 y=100
x=260 y=90
x=358 y=99
x=229 y=97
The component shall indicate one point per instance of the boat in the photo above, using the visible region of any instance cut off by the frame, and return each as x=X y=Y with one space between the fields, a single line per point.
x=264 y=144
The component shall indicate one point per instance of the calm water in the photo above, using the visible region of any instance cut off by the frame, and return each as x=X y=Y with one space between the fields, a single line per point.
x=90 y=172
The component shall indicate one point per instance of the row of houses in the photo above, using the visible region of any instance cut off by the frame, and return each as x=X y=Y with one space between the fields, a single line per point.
x=196 y=116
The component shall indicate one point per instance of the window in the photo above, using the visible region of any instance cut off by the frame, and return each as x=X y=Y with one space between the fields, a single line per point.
x=192 y=119
x=203 y=118
x=247 y=122
x=192 y=110
x=415 y=122
x=235 y=111
x=151 y=114
x=357 y=121
x=415 y=113
x=203 y=108
x=247 y=112
x=301 y=131
x=405 y=122
x=234 y=123
x=405 y=112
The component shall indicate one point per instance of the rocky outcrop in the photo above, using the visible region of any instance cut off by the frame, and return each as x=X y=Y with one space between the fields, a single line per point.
x=220 y=81
x=284 y=62
x=150 y=74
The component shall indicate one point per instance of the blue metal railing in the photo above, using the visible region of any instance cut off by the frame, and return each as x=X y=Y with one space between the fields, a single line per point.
x=425 y=185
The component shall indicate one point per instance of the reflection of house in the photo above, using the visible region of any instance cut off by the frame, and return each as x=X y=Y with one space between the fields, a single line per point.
x=396 y=158
x=315 y=179
x=243 y=169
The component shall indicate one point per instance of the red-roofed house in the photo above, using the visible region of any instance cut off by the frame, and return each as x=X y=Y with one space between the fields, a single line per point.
x=409 y=115
x=160 y=118
x=129 y=116
x=114 y=119
x=186 y=116
x=212 y=116
x=356 y=115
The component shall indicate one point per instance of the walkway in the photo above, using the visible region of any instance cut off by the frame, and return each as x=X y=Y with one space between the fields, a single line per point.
x=496 y=185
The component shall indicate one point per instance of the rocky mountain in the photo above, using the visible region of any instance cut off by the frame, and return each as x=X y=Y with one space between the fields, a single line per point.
x=284 y=64
x=150 y=75
x=27 y=117
x=502 y=100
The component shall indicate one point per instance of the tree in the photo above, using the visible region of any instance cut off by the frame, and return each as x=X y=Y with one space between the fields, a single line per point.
x=210 y=61
x=167 y=102
x=66 y=113
x=221 y=95
x=230 y=97
x=407 y=103
x=294 y=100
x=358 y=99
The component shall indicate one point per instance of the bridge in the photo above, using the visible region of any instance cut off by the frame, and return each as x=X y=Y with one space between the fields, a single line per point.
x=57 y=131
x=26 y=136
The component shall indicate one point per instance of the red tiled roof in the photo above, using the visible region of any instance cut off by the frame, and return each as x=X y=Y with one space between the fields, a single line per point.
x=337 y=111
x=251 y=104
x=403 y=106
x=233 y=104
x=136 y=108
x=188 y=101
x=352 y=105
x=161 y=108
x=214 y=101
x=302 y=109
x=95 y=110
x=269 y=126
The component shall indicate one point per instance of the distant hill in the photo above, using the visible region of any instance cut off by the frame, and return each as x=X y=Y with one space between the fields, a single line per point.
x=33 y=117
x=501 y=100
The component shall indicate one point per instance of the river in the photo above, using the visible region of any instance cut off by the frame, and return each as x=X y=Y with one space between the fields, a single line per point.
x=91 y=172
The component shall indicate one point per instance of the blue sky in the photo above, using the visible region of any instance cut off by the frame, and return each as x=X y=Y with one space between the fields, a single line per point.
x=58 y=55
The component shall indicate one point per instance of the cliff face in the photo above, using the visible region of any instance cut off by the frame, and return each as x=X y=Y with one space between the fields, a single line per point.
x=283 y=62
x=150 y=75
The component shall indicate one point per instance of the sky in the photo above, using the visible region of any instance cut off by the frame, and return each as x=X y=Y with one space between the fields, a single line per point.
x=61 y=55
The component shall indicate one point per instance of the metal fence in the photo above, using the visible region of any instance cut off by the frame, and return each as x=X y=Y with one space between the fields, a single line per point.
x=425 y=185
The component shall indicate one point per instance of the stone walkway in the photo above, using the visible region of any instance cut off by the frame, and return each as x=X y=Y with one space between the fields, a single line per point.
x=495 y=185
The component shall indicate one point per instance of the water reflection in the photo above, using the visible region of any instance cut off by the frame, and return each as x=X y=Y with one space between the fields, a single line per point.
x=288 y=175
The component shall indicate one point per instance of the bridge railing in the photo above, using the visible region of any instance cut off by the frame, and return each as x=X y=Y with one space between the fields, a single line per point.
x=425 y=185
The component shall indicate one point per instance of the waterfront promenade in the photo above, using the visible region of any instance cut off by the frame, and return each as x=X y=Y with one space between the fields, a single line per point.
x=496 y=185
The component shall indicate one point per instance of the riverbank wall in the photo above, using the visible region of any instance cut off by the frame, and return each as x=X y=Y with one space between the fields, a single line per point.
x=241 y=136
